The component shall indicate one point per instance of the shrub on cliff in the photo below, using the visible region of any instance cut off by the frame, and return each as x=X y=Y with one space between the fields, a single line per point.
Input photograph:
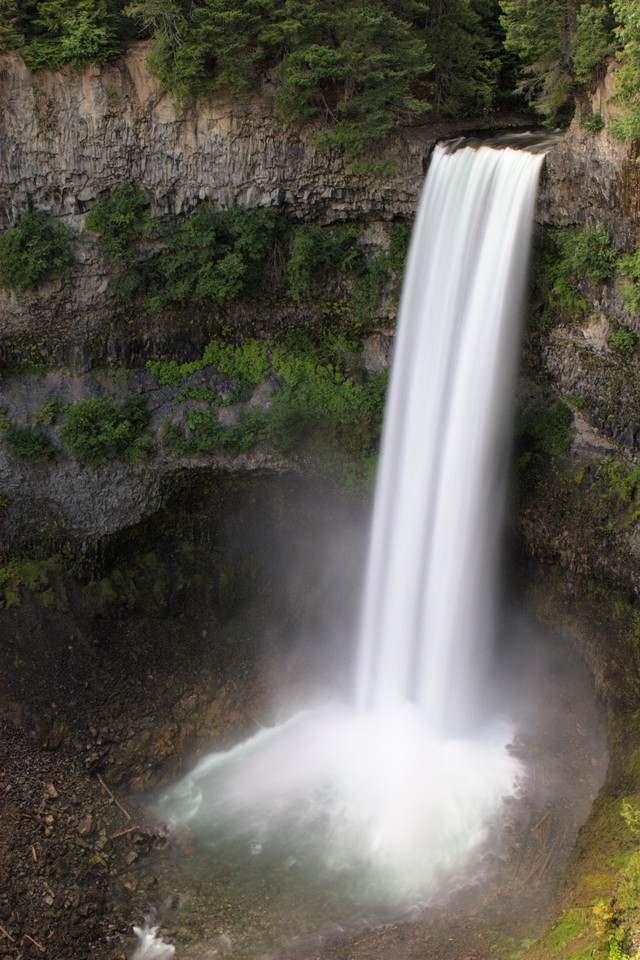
x=101 y=429
x=122 y=221
x=217 y=256
x=29 y=444
x=36 y=250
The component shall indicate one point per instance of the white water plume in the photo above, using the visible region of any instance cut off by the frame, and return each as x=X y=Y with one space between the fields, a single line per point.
x=388 y=793
x=150 y=945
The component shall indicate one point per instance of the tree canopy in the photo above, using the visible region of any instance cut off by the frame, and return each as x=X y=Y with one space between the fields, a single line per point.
x=355 y=68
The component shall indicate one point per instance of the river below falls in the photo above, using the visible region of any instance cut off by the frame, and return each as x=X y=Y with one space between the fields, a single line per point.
x=240 y=898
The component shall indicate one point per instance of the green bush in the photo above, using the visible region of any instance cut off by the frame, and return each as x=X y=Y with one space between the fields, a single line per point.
x=587 y=252
x=321 y=386
x=592 y=122
x=629 y=266
x=247 y=365
x=122 y=221
x=29 y=444
x=317 y=252
x=207 y=433
x=101 y=429
x=217 y=256
x=36 y=250
x=624 y=339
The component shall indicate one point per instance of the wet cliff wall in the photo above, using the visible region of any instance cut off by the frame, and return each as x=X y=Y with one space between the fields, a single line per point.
x=67 y=139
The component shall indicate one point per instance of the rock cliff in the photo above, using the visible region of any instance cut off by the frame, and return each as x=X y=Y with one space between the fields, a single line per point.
x=68 y=138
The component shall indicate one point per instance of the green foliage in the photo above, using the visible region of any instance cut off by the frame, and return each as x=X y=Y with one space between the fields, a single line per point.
x=624 y=339
x=175 y=56
x=592 y=122
x=587 y=252
x=248 y=364
x=47 y=412
x=592 y=42
x=11 y=37
x=322 y=388
x=538 y=33
x=75 y=33
x=45 y=578
x=317 y=252
x=618 y=482
x=564 y=258
x=122 y=221
x=29 y=444
x=399 y=237
x=101 y=429
x=354 y=66
x=631 y=815
x=629 y=266
x=466 y=57
x=207 y=433
x=625 y=126
x=36 y=250
x=560 y=43
x=548 y=429
x=217 y=256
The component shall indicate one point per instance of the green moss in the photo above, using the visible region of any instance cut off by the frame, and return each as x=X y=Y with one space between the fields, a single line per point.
x=46 y=578
x=322 y=397
x=569 y=939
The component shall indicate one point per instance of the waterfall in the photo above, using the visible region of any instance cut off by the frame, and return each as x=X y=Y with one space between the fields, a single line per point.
x=428 y=612
x=389 y=802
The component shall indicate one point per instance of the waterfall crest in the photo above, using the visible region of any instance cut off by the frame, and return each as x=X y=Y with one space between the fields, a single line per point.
x=428 y=617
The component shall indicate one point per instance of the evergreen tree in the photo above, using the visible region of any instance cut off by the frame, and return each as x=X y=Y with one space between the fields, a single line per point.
x=559 y=43
x=72 y=32
x=356 y=67
x=175 y=57
x=626 y=125
x=11 y=36
x=465 y=57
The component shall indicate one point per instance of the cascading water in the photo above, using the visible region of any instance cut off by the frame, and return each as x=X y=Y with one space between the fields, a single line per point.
x=382 y=800
x=428 y=612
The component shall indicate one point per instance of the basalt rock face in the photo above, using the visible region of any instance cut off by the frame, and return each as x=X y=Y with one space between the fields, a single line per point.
x=68 y=138
x=591 y=178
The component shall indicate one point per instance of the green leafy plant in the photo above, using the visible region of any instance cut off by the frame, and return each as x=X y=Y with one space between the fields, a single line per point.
x=624 y=339
x=217 y=256
x=101 y=429
x=587 y=252
x=625 y=125
x=47 y=412
x=316 y=252
x=122 y=221
x=629 y=266
x=592 y=122
x=36 y=250
x=321 y=387
x=29 y=444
